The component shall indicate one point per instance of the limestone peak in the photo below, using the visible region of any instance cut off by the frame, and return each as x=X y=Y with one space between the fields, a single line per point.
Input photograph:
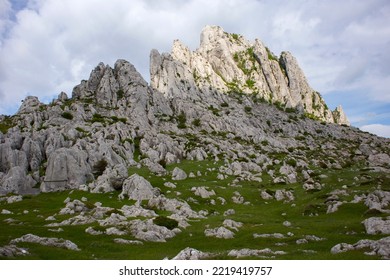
x=228 y=63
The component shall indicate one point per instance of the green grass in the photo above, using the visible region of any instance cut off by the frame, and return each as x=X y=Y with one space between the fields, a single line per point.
x=259 y=216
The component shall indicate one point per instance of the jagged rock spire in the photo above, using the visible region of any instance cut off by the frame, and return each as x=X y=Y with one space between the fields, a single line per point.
x=226 y=63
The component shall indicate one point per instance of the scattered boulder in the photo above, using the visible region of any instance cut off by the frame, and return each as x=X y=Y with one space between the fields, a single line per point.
x=232 y=224
x=377 y=225
x=378 y=200
x=138 y=188
x=203 y=192
x=46 y=241
x=219 y=232
x=148 y=231
x=11 y=251
x=243 y=253
x=129 y=242
x=14 y=198
x=191 y=254
x=229 y=212
x=137 y=211
x=379 y=247
x=178 y=174
x=269 y=235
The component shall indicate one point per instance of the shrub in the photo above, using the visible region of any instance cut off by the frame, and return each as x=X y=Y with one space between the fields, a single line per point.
x=120 y=94
x=99 y=167
x=248 y=109
x=67 y=115
x=182 y=119
x=291 y=162
x=97 y=118
x=166 y=222
x=224 y=104
x=196 y=122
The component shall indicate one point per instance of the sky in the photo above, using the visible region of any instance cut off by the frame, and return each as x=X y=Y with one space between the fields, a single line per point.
x=49 y=46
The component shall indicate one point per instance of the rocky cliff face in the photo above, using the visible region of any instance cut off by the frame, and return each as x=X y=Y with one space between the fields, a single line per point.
x=213 y=103
x=228 y=63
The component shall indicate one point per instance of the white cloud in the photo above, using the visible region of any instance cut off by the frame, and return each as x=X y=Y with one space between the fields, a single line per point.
x=378 y=129
x=51 y=45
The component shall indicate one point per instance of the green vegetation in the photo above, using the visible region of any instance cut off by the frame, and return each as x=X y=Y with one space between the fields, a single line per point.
x=99 y=167
x=248 y=109
x=271 y=56
x=67 y=115
x=166 y=222
x=120 y=94
x=196 y=122
x=182 y=119
x=6 y=124
x=308 y=217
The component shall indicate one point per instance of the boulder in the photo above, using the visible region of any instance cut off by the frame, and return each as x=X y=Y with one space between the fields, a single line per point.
x=46 y=241
x=244 y=253
x=12 y=251
x=377 y=225
x=190 y=254
x=138 y=188
x=148 y=231
x=178 y=174
x=67 y=168
x=379 y=247
x=219 y=232
x=203 y=192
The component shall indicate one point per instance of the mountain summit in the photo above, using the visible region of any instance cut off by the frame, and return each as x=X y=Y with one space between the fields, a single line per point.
x=229 y=63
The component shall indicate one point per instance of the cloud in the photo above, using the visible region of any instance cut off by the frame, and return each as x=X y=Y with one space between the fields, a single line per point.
x=48 y=46
x=378 y=129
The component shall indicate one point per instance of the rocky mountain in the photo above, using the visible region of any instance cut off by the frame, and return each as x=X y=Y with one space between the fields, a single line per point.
x=231 y=103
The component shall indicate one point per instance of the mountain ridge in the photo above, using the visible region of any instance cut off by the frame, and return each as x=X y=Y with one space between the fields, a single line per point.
x=229 y=63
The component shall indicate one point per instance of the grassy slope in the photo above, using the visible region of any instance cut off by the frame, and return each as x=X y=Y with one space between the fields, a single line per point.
x=259 y=217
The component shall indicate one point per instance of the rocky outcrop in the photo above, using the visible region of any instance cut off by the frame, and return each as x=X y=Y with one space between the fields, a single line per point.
x=66 y=169
x=12 y=251
x=244 y=253
x=138 y=188
x=377 y=225
x=46 y=241
x=191 y=254
x=229 y=63
x=379 y=247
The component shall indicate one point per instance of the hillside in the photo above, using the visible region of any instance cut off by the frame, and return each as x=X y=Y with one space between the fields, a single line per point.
x=228 y=151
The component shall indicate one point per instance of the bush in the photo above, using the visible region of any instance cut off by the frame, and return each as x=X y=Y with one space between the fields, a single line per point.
x=196 y=122
x=67 y=115
x=248 y=109
x=181 y=119
x=166 y=222
x=99 y=167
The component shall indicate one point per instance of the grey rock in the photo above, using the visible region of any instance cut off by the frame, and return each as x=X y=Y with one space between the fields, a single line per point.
x=219 y=232
x=12 y=251
x=228 y=223
x=178 y=174
x=191 y=254
x=243 y=253
x=137 y=211
x=377 y=225
x=379 y=247
x=203 y=192
x=46 y=241
x=146 y=230
x=138 y=188
x=129 y=242
x=269 y=235
x=66 y=169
